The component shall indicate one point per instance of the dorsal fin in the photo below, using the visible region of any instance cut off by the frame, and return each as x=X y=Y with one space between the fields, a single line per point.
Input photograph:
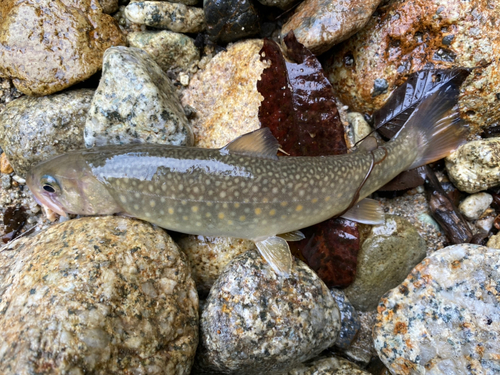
x=260 y=143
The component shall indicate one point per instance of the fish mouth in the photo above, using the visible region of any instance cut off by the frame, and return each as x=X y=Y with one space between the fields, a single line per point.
x=48 y=203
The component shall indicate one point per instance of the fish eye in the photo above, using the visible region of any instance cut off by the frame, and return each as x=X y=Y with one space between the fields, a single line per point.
x=49 y=184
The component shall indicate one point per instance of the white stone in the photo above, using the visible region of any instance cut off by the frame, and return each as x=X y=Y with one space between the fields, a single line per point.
x=474 y=206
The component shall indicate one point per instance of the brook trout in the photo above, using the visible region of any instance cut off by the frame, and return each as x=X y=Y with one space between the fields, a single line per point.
x=244 y=189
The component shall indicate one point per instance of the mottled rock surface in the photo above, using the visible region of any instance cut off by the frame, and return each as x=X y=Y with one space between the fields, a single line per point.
x=386 y=257
x=164 y=15
x=328 y=366
x=169 y=50
x=443 y=319
x=109 y=6
x=48 y=45
x=349 y=319
x=255 y=322
x=35 y=129
x=106 y=295
x=135 y=102
x=225 y=95
x=283 y=4
x=494 y=241
x=320 y=24
x=361 y=349
x=474 y=206
x=408 y=36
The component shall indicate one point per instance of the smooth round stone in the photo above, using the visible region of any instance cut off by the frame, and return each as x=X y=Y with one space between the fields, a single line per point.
x=97 y=295
x=256 y=322
x=443 y=319
x=328 y=366
x=475 y=205
x=349 y=320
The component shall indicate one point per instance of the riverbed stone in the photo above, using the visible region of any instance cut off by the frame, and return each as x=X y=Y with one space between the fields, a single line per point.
x=100 y=295
x=35 y=129
x=135 y=103
x=109 y=6
x=47 y=46
x=331 y=365
x=349 y=319
x=386 y=257
x=443 y=319
x=257 y=322
x=475 y=205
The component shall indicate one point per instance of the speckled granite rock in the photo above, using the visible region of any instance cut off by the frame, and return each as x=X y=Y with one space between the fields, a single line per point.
x=386 y=257
x=475 y=166
x=255 y=322
x=475 y=205
x=135 y=102
x=47 y=45
x=494 y=241
x=8 y=92
x=225 y=95
x=208 y=256
x=349 y=319
x=104 y=295
x=34 y=129
x=443 y=319
x=328 y=366
x=320 y=24
x=409 y=35
x=169 y=50
x=164 y=15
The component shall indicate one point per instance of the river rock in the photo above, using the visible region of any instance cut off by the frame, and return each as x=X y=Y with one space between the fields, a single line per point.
x=320 y=24
x=256 y=322
x=169 y=50
x=474 y=206
x=34 y=129
x=386 y=257
x=47 y=46
x=225 y=95
x=135 y=102
x=361 y=349
x=494 y=241
x=164 y=15
x=475 y=166
x=101 y=295
x=410 y=35
x=443 y=319
x=109 y=6
x=328 y=366
x=349 y=319
x=283 y=4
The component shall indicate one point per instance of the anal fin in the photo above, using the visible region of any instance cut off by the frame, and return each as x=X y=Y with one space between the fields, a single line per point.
x=276 y=252
x=366 y=211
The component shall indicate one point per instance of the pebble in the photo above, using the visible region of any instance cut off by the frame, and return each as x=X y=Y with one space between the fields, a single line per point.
x=321 y=24
x=47 y=46
x=33 y=129
x=109 y=6
x=494 y=241
x=164 y=15
x=386 y=257
x=443 y=319
x=101 y=295
x=255 y=322
x=282 y=4
x=361 y=349
x=328 y=366
x=135 y=102
x=475 y=205
x=19 y=179
x=169 y=50
x=5 y=166
x=360 y=127
x=475 y=166
x=349 y=319
x=6 y=183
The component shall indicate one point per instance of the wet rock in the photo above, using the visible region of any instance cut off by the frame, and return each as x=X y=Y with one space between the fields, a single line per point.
x=164 y=15
x=320 y=24
x=228 y=21
x=109 y=6
x=106 y=295
x=283 y=4
x=46 y=46
x=360 y=127
x=225 y=95
x=349 y=319
x=208 y=256
x=474 y=206
x=494 y=241
x=475 y=166
x=386 y=257
x=443 y=319
x=169 y=50
x=5 y=181
x=255 y=322
x=408 y=36
x=5 y=166
x=7 y=92
x=361 y=349
x=328 y=366
x=135 y=102
x=35 y=129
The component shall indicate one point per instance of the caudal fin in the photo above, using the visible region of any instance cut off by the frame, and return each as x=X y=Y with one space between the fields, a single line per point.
x=437 y=125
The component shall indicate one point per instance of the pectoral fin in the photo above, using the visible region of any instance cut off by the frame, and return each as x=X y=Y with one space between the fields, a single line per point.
x=276 y=252
x=366 y=211
x=296 y=235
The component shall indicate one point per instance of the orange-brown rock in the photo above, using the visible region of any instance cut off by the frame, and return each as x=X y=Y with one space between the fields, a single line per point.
x=5 y=166
x=410 y=35
x=48 y=45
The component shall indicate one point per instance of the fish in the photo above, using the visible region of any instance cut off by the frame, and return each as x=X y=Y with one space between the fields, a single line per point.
x=245 y=189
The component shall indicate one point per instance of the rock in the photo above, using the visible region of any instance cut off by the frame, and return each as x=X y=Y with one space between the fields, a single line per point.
x=361 y=349
x=328 y=366
x=360 y=127
x=169 y=50
x=5 y=166
x=475 y=166
x=282 y=4
x=208 y=256
x=7 y=92
x=474 y=206
x=228 y=21
x=320 y=24
x=407 y=36
x=386 y=257
x=35 y=129
x=101 y=295
x=47 y=46
x=109 y=6
x=494 y=241
x=135 y=102
x=255 y=322
x=164 y=15
x=443 y=319
x=5 y=181
x=225 y=95
x=349 y=320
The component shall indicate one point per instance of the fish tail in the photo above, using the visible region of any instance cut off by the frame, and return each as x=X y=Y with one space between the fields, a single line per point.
x=436 y=125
